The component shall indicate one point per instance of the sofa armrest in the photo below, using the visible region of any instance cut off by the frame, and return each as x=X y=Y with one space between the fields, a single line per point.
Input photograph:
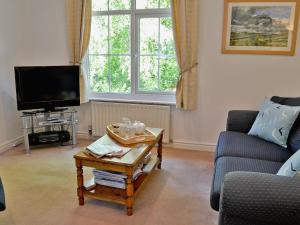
x=2 y=197
x=240 y=120
x=260 y=199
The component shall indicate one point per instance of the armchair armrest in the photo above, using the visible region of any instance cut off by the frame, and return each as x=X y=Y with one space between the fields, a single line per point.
x=260 y=199
x=240 y=120
x=2 y=197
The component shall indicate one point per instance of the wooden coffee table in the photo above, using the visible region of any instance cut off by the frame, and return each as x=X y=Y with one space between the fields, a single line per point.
x=127 y=165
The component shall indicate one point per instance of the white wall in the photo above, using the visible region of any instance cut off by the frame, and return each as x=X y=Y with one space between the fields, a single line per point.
x=32 y=32
x=227 y=82
x=231 y=81
x=35 y=33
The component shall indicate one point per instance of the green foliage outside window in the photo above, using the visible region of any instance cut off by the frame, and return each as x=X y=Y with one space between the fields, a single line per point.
x=110 y=46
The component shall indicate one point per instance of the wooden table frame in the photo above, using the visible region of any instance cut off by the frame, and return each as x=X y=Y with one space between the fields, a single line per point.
x=120 y=196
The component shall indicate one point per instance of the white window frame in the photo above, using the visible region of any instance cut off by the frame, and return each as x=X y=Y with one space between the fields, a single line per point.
x=135 y=95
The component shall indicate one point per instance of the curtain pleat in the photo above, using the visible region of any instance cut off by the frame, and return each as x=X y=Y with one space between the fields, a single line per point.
x=79 y=16
x=185 y=17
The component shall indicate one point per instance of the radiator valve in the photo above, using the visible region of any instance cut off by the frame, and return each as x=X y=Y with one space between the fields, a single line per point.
x=90 y=130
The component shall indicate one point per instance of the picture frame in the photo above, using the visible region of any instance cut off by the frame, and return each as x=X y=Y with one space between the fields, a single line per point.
x=267 y=27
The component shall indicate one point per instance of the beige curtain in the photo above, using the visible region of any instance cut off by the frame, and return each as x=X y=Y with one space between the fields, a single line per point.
x=79 y=14
x=185 y=16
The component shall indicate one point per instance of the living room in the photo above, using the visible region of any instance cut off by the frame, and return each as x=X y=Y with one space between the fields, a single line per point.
x=41 y=187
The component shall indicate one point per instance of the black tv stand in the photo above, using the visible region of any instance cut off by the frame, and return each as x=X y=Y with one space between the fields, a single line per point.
x=42 y=127
x=46 y=110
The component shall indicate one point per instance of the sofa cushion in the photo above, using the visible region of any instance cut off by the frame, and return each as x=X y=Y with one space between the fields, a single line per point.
x=291 y=166
x=225 y=165
x=294 y=136
x=242 y=145
x=274 y=122
x=286 y=101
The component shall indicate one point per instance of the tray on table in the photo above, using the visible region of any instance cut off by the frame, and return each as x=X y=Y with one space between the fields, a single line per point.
x=137 y=138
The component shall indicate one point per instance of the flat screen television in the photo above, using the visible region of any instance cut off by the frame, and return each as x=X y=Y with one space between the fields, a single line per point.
x=47 y=87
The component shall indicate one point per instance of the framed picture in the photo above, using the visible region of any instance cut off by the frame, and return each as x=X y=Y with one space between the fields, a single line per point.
x=260 y=27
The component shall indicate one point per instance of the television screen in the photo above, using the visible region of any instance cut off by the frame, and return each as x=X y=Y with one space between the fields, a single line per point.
x=47 y=87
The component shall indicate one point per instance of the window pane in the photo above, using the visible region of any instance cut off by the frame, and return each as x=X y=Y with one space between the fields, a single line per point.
x=120 y=74
x=120 y=34
x=166 y=37
x=149 y=36
x=165 y=4
x=100 y=5
x=99 y=35
x=168 y=74
x=99 y=73
x=148 y=77
x=146 y=4
x=119 y=4
x=110 y=48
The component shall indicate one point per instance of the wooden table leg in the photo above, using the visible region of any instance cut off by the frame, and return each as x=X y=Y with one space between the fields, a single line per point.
x=129 y=194
x=159 y=151
x=80 y=187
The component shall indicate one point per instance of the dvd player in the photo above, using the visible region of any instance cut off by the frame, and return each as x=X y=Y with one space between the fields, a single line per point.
x=48 y=137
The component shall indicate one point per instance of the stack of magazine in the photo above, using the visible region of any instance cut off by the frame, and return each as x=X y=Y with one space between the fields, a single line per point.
x=117 y=180
x=113 y=179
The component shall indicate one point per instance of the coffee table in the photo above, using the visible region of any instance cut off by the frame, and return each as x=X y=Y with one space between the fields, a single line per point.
x=126 y=165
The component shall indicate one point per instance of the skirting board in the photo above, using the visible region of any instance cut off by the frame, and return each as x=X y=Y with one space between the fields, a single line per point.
x=205 y=147
x=175 y=144
x=10 y=144
x=84 y=135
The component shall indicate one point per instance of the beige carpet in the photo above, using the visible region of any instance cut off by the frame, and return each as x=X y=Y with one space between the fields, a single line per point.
x=41 y=190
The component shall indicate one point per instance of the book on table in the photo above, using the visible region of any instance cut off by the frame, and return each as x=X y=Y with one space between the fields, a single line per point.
x=98 y=150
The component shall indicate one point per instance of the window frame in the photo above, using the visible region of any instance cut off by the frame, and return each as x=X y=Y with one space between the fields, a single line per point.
x=134 y=95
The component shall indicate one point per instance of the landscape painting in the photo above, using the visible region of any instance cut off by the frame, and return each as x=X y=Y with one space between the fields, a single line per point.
x=260 y=27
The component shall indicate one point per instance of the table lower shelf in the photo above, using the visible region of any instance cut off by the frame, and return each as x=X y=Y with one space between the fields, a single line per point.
x=118 y=195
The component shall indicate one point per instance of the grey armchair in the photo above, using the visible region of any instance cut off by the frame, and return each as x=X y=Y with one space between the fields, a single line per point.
x=2 y=197
x=249 y=198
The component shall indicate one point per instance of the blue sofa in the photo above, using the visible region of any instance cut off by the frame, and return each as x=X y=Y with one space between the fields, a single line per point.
x=252 y=159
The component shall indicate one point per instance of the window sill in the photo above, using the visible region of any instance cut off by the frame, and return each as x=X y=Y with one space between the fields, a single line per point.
x=137 y=98
x=133 y=101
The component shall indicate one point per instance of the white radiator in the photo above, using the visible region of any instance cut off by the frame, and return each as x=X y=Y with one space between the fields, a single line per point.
x=104 y=113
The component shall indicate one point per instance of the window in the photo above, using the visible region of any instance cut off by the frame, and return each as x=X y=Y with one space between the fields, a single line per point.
x=131 y=52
